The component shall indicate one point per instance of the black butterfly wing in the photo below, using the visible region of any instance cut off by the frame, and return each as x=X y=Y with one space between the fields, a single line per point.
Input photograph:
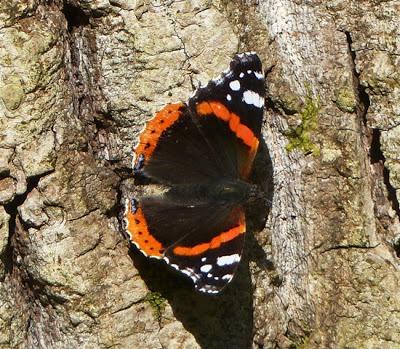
x=217 y=136
x=204 y=241
x=173 y=150
x=235 y=102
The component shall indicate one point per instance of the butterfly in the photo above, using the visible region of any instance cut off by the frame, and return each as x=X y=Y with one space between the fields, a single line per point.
x=202 y=153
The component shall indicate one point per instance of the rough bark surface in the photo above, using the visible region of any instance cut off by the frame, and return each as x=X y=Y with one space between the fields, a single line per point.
x=79 y=79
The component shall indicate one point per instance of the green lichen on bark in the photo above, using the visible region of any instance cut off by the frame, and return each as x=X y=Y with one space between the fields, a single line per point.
x=157 y=303
x=304 y=344
x=345 y=99
x=300 y=136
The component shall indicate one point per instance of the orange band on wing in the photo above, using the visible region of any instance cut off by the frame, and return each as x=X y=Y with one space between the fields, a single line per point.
x=241 y=131
x=164 y=119
x=214 y=242
x=140 y=235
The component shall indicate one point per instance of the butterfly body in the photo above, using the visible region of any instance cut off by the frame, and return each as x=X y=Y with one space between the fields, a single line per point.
x=222 y=192
x=202 y=153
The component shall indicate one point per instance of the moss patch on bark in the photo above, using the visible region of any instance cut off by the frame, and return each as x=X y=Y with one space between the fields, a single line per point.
x=300 y=136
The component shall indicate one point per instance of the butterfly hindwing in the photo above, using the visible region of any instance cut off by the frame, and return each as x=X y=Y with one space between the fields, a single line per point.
x=212 y=263
x=202 y=241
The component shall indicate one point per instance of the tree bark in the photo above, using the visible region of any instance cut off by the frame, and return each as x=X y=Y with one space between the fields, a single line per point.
x=79 y=79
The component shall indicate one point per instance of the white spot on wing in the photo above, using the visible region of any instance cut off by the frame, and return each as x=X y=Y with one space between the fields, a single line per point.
x=241 y=75
x=154 y=257
x=206 y=268
x=227 y=277
x=234 y=85
x=251 y=97
x=208 y=289
x=133 y=158
x=227 y=74
x=203 y=259
x=259 y=75
x=228 y=97
x=126 y=219
x=190 y=272
x=227 y=260
x=186 y=272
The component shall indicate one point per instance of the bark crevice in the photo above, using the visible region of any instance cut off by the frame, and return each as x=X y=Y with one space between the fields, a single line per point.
x=75 y=17
x=348 y=247
x=375 y=151
x=376 y=156
x=363 y=101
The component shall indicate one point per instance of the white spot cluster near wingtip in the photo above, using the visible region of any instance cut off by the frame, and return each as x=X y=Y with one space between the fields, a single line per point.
x=234 y=85
x=227 y=74
x=259 y=75
x=228 y=260
x=206 y=268
x=251 y=97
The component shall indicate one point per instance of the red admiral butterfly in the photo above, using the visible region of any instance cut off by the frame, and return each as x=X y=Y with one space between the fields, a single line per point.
x=203 y=153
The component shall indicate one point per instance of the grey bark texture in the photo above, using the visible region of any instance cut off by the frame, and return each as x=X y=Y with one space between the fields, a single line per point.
x=79 y=79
